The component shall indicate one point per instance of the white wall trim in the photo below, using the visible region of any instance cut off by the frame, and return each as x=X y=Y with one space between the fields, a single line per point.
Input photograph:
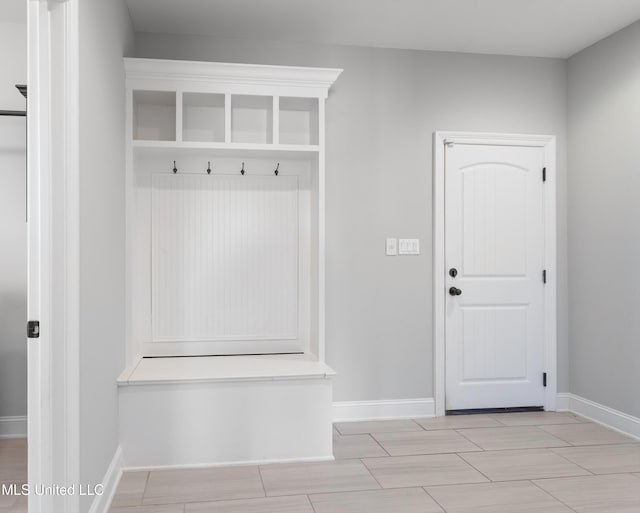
x=228 y=464
x=53 y=279
x=562 y=401
x=614 y=419
x=13 y=427
x=548 y=142
x=314 y=80
x=102 y=503
x=348 y=411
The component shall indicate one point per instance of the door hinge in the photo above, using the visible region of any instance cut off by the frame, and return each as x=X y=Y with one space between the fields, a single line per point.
x=544 y=379
x=544 y=174
x=33 y=329
x=544 y=276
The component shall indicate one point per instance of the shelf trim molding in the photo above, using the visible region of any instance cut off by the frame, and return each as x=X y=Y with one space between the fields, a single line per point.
x=319 y=79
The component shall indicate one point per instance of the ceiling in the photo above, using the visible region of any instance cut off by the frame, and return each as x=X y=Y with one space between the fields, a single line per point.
x=544 y=28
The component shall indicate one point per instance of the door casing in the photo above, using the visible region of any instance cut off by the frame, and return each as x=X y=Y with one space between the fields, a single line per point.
x=53 y=251
x=548 y=143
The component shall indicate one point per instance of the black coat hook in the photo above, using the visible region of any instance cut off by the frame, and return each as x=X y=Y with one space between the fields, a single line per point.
x=277 y=169
x=175 y=169
x=242 y=170
x=209 y=168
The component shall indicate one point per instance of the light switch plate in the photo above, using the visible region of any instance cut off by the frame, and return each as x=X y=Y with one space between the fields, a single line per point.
x=392 y=247
x=409 y=247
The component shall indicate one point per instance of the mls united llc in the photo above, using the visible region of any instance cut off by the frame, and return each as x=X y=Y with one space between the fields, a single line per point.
x=26 y=489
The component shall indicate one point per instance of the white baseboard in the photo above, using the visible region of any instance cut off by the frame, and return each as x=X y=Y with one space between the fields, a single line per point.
x=13 y=427
x=562 y=401
x=614 y=419
x=348 y=411
x=229 y=464
x=102 y=503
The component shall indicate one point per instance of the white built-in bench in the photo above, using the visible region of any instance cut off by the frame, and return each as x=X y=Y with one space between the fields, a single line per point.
x=217 y=410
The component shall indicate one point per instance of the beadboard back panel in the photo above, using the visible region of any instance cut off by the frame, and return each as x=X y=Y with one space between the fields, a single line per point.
x=224 y=256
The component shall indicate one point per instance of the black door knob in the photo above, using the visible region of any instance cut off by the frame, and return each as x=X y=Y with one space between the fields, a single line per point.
x=454 y=291
x=453 y=272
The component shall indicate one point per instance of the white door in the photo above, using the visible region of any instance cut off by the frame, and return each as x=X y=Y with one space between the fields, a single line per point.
x=494 y=238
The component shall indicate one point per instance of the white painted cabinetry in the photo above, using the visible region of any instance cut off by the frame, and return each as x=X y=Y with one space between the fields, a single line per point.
x=225 y=259
x=226 y=208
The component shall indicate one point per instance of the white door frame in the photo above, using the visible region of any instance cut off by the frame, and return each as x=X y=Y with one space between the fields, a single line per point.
x=548 y=143
x=53 y=254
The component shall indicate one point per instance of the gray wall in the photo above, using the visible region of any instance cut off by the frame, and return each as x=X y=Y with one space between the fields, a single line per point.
x=105 y=35
x=381 y=115
x=13 y=228
x=603 y=216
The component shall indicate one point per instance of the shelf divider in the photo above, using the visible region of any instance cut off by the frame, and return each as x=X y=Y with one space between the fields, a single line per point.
x=276 y=120
x=179 y=116
x=227 y=118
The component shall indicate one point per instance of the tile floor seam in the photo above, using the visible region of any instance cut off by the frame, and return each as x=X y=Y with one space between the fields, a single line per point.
x=313 y=508
x=264 y=488
x=495 y=417
x=480 y=449
x=577 y=464
x=474 y=468
x=417 y=424
x=371 y=473
x=550 y=494
x=441 y=506
x=379 y=445
x=420 y=425
x=571 y=443
x=144 y=489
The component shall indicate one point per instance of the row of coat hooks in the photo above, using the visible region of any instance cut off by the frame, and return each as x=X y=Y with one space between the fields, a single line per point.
x=276 y=171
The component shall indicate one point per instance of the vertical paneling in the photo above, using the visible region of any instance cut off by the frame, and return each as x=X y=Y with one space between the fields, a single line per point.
x=224 y=257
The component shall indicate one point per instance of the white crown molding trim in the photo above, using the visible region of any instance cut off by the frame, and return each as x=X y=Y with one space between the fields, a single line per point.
x=230 y=73
x=13 y=427
x=614 y=419
x=350 y=411
x=102 y=503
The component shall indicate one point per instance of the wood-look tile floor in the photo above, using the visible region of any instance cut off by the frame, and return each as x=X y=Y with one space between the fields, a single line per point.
x=506 y=463
x=13 y=470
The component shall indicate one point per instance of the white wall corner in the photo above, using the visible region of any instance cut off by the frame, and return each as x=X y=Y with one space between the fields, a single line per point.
x=102 y=503
x=348 y=411
x=13 y=427
x=608 y=417
x=562 y=401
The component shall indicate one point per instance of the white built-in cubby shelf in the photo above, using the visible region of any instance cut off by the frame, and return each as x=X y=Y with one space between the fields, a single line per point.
x=225 y=261
x=203 y=117
x=154 y=115
x=247 y=107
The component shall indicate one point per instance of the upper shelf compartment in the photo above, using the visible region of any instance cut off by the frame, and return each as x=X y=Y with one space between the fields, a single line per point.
x=154 y=115
x=251 y=119
x=202 y=117
x=299 y=123
x=226 y=107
